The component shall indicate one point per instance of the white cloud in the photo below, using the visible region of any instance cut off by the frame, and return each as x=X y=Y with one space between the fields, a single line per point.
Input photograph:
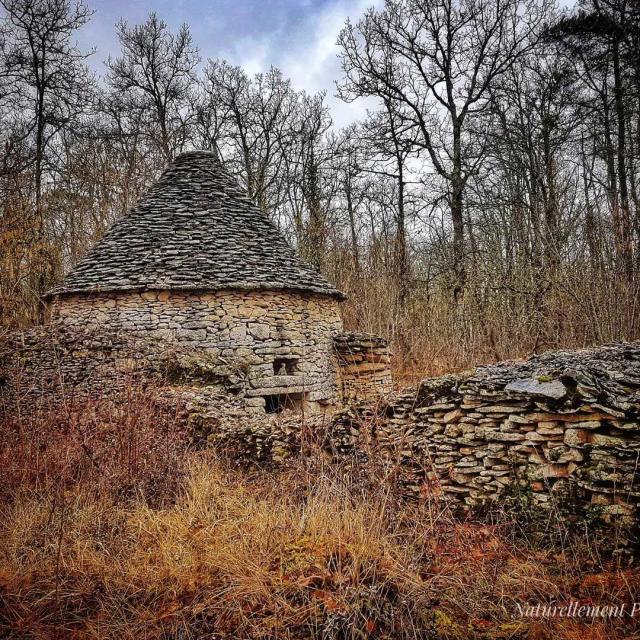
x=298 y=37
x=253 y=54
x=309 y=56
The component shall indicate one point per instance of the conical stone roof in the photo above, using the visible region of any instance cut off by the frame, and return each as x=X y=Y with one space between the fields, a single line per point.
x=195 y=229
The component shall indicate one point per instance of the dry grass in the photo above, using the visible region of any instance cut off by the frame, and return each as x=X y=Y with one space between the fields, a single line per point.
x=185 y=545
x=496 y=320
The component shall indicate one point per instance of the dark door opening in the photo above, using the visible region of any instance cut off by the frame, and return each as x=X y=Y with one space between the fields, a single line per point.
x=277 y=403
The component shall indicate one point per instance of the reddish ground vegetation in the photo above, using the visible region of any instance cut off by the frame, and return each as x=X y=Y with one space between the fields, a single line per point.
x=112 y=527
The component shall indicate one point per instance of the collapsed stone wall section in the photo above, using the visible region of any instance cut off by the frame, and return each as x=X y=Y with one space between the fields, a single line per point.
x=562 y=425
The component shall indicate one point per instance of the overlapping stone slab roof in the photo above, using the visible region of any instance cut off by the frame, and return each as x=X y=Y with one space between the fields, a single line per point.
x=195 y=229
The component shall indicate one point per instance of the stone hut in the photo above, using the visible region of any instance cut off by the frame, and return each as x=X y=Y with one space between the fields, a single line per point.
x=195 y=269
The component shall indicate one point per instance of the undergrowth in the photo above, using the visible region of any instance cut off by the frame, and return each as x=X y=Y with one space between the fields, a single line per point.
x=111 y=527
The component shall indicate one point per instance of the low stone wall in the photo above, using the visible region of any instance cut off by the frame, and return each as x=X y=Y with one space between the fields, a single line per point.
x=365 y=372
x=242 y=348
x=562 y=429
x=562 y=425
x=45 y=363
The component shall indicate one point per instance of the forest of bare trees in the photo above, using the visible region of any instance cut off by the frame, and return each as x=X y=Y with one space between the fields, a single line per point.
x=487 y=207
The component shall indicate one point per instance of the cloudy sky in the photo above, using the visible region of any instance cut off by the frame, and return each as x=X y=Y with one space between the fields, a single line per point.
x=298 y=36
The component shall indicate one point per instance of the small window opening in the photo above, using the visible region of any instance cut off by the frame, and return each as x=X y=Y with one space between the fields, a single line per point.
x=278 y=403
x=285 y=366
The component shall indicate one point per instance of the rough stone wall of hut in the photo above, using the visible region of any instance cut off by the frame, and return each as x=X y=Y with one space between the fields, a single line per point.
x=250 y=344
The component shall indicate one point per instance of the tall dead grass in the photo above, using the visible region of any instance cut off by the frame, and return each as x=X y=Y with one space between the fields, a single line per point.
x=132 y=446
x=500 y=317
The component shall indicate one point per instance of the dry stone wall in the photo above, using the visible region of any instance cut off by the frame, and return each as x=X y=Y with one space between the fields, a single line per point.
x=252 y=345
x=561 y=429
x=563 y=426
x=365 y=371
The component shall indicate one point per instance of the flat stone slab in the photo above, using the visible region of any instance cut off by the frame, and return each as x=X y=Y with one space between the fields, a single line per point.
x=553 y=389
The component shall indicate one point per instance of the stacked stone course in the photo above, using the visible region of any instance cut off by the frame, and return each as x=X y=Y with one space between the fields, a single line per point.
x=562 y=428
x=364 y=360
x=562 y=425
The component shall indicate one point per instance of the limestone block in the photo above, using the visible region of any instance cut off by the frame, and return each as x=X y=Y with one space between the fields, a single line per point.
x=523 y=419
x=577 y=437
x=491 y=408
x=452 y=416
x=550 y=471
x=259 y=331
x=553 y=389
x=588 y=424
x=503 y=436
x=550 y=428
x=238 y=332
x=602 y=439
x=453 y=430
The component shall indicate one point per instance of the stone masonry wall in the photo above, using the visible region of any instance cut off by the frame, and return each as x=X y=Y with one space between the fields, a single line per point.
x=250 y=344
x=365 y=372
x=562 y=429
x=564 y=426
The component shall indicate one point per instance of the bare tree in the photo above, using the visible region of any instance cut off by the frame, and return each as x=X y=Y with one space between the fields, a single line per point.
x=436 y=60
x=306 y=165
x=155 y=73
x=603 y=37
x=392 y=140
x=50 y=87
x=349 y=165
x=253 y=117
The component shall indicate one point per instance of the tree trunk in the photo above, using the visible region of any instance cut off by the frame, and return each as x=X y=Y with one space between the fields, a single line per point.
x=457 y=216
x=624 y=213
x=41 y=257
x=352 y=227
x=401 y=241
